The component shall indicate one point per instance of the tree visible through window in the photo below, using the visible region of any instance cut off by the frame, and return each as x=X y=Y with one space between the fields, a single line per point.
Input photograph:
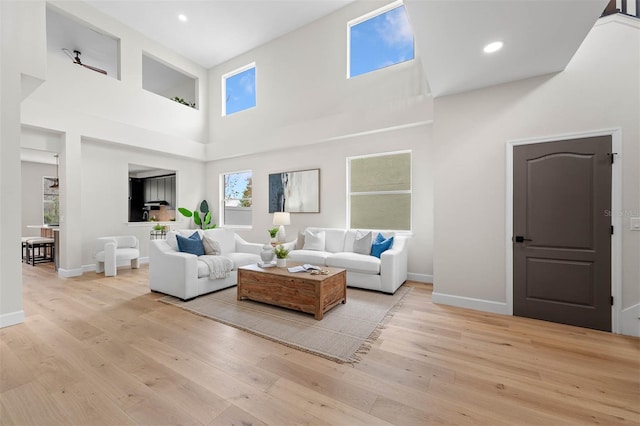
x=239 y=90
x=379 y=39
x=237 y=198
x=50 y=202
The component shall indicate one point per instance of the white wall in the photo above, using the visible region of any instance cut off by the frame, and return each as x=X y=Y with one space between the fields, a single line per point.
x=309 y=115
x=303 y=95
x=598 y=90
x=105 y=192
x=77 y=89
x=32 y=204
x=330 y=158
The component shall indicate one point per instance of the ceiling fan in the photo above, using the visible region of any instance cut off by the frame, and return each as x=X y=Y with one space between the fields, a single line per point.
x=76 y=60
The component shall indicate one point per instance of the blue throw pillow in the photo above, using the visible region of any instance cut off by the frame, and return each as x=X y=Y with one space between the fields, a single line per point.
x=380 y=245
x=192 y=245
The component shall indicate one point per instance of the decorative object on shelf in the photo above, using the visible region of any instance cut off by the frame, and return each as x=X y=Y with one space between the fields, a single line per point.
x=56 y=183
x=183 y=102
x=273 y=232
x=295 y=192
x=281 y=253
x=203 y=222
x=280 y=219
x=267 y=253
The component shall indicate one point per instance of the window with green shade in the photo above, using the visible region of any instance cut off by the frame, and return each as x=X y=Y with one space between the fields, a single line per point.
x=380 y=191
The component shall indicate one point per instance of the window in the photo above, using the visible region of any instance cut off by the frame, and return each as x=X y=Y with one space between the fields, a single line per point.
x=239 y=90
x=380 y=191
x=379 y=39
x=236 y=206
x=50 y=201
x=168 y=82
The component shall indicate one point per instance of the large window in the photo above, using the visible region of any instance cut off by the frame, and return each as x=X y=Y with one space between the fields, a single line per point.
x=380 y=191
x=239 y=90
x=236 y=206
x=50 y=201
x=379 y=39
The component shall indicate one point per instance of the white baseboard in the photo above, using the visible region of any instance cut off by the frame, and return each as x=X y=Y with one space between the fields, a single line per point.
x=11 y=318
x=92 y=267
x=68 y=273
x=470 y=303
x=421 y=278
x=630 y=321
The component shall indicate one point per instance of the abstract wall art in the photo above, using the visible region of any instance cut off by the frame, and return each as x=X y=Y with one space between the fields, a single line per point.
x=295 y=192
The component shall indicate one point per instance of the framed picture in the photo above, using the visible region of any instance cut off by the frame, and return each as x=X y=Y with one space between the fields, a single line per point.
x=295 y=192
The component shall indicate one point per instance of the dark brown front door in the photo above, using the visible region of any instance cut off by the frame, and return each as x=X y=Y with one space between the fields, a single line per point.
x=561 y=232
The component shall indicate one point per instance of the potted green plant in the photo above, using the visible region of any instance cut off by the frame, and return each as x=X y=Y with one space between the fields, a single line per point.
x=273 y=232
x=203 y=222
x=281 y=253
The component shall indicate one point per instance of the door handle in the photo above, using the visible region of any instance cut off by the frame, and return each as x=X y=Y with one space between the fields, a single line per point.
x=521 y=239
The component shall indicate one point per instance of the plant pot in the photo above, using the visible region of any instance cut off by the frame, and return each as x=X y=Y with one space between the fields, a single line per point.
x=267 y=253
x=281 y=263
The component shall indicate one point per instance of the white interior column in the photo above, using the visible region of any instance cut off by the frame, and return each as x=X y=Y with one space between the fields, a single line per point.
x=70 y=205
x=11 y=311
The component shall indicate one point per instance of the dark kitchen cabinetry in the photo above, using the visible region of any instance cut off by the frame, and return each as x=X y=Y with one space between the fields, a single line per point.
x=136 y=199
x=148 y=194
x=161 y=188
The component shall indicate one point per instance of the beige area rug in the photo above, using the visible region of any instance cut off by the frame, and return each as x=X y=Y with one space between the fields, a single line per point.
x=345 y=332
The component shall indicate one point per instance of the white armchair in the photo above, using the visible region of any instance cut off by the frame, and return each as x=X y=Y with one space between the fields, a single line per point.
x=111 y=250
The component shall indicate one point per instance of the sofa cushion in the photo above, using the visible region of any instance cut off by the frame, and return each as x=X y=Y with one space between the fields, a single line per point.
x=211 y=246
x=362 y=242
x=354 y=262
x=334 y=240
x=226 y=238
x=171 y=236
x=314 y=240
x=314 y=257
x=192 y=244
x=380 y=245
x=242 y=259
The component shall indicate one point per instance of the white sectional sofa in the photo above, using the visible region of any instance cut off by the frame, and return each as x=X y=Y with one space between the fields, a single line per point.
x=186 y=275
x=384 y=274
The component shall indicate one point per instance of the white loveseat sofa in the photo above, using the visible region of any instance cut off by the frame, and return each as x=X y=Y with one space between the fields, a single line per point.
x=186 y=275
x=385 y=274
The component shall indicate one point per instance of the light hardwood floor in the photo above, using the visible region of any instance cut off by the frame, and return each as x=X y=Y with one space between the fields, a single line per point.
x=96 y=350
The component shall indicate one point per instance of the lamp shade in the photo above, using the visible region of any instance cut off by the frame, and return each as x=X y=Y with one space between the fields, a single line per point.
x=281 y=218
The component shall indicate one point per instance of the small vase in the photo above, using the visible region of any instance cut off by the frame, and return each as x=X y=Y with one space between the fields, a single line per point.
x=274 y=241
x=281 y=263
x=267 y=253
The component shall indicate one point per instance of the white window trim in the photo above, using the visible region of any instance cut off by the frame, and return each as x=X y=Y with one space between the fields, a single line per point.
x=222 y=200
x=363 y=18
x=223 y=81
x=409 y=191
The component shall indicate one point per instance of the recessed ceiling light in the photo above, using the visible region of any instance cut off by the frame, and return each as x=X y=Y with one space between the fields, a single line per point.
x=182 y=18
x=493 y=47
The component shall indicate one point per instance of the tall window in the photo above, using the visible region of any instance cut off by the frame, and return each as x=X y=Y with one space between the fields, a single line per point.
x=239 y=90
x=379 y=39
x=50 y=202
x=236 y=209
x=380 y=191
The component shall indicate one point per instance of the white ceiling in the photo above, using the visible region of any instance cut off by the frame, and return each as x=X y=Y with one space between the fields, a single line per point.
x=216 y=30
x=539 y=36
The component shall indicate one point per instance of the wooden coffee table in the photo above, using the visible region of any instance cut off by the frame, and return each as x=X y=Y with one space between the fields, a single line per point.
x=314 y=294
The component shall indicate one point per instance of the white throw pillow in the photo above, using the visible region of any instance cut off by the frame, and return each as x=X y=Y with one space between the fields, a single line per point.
x=362 y=244
x=314 y=241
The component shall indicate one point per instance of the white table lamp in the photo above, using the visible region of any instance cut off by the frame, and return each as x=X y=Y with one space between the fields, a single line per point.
x=281 y=219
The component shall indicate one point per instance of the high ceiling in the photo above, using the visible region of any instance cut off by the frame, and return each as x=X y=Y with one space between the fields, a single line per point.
x=216 y=30
x=540 y=36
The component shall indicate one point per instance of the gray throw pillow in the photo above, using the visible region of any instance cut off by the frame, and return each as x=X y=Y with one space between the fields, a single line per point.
x=362 y=244
x=211 y=246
